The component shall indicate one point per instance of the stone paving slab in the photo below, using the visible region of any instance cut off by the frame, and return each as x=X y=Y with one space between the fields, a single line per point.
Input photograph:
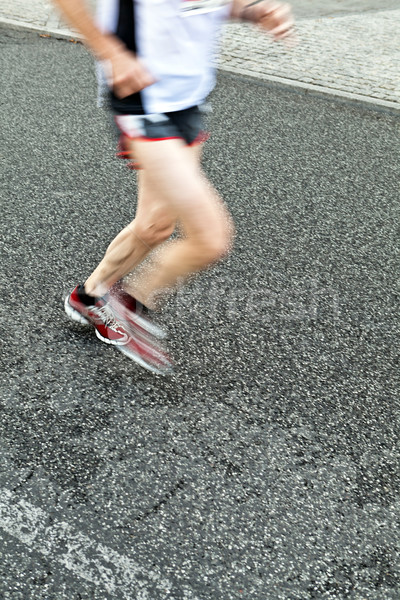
x=32 y=12
x=352 y=52
x=333 y=53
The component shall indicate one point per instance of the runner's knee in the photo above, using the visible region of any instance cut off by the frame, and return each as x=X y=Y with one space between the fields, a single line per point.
x=214 y=245
x=155 y=232
x=218 y=249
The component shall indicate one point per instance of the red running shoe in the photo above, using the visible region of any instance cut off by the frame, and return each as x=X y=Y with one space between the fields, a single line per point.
x=134 y=316
x=100 y=315
x=147 y=352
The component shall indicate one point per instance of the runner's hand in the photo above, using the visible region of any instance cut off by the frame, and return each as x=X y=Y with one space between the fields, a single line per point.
x=276 y=18
x=126 y=74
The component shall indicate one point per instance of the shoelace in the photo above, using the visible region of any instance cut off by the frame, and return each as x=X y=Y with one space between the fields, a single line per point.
x=107 y=316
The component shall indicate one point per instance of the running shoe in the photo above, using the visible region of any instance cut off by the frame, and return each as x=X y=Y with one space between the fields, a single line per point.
x=100 y=315
x=141 y=347
x=147 y=352
x=133 y=315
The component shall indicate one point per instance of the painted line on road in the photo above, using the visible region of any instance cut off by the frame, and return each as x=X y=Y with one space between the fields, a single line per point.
x=84 y=557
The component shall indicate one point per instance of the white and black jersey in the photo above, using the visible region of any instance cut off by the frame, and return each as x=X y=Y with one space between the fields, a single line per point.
x=176 y=40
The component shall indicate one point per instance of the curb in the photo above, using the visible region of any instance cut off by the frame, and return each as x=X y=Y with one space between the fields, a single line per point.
x=60 y=34
x=293 y=85
x=317 y=91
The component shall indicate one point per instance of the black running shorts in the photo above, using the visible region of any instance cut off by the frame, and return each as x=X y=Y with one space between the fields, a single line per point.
x=186 y=125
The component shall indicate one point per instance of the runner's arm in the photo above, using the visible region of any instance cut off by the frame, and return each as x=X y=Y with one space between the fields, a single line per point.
x=128 y=75
x=275 y=17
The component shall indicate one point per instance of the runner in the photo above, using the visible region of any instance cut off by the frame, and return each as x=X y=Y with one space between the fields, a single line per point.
x=156 y=59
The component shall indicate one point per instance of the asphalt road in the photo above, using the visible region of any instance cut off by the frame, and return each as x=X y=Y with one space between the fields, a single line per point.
x=266 y=468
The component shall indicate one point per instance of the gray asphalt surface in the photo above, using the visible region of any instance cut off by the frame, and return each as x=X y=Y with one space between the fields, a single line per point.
x=266 y=468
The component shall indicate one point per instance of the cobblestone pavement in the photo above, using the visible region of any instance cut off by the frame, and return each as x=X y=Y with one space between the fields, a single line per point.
x=345 y=48
x=334 y=53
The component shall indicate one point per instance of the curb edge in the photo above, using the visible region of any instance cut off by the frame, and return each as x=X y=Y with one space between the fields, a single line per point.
x=291 y=84
x=61 y=34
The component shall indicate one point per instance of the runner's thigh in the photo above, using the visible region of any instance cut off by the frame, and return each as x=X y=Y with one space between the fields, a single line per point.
x=172 y=174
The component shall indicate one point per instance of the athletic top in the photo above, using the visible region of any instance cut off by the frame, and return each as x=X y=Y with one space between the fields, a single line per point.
x=176 y=40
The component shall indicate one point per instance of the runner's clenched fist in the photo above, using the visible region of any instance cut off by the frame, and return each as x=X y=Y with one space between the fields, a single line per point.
x=275 y=17
x=126 y=74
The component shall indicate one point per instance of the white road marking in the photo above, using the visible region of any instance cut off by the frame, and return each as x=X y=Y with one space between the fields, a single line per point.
x=83 y=556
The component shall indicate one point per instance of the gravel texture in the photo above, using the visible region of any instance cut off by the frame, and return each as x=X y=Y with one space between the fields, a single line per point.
x=266 y=468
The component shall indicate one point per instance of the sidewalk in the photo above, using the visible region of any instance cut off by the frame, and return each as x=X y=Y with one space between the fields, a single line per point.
x=353 y=56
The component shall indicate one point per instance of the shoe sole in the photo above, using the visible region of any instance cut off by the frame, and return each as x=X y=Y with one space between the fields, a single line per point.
x=76 y=316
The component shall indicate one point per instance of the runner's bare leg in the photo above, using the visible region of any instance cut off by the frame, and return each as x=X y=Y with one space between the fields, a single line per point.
x=171 y=186
x=203 y=218
x=127 y=250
